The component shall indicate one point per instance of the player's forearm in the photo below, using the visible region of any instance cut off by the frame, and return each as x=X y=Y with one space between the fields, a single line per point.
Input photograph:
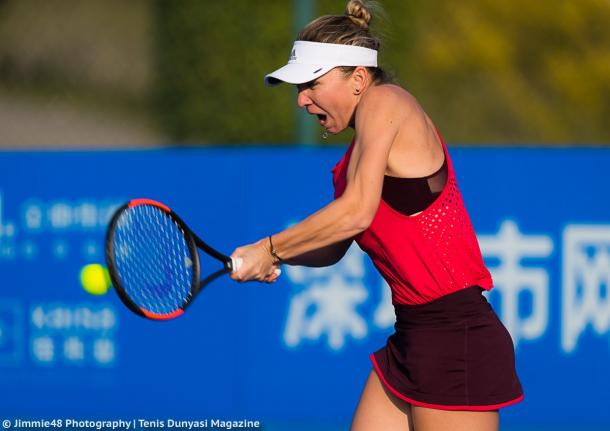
x=315 y=258
x=324 y=256
x=338 y=221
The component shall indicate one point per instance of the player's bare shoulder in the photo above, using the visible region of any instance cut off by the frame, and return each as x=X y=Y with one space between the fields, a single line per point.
x=392 y=101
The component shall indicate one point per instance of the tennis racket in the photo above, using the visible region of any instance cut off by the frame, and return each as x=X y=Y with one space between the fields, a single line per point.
x=153 y=260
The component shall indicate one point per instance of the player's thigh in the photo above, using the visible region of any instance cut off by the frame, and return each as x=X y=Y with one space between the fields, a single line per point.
x=426 y=419
x=378 y=409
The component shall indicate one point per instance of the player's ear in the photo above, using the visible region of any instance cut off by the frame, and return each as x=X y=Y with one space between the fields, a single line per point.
x=358 y=79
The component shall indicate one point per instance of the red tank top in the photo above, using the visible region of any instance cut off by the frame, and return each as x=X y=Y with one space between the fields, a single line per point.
x=425 y=256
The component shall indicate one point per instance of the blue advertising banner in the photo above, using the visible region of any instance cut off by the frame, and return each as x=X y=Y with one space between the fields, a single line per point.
x=293 y=355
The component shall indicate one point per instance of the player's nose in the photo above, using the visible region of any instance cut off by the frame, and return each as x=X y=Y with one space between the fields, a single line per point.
x=303 y=99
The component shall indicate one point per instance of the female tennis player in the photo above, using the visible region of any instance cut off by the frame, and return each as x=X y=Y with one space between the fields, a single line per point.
x=450 y=363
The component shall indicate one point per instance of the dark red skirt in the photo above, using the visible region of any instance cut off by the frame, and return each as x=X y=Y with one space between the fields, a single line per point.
x=451 y=354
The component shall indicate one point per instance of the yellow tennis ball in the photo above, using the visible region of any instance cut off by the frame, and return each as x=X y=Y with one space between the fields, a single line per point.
x=95 y=279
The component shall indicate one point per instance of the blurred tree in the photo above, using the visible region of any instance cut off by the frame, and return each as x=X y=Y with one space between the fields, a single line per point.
x=513 y=71
x=211 y=63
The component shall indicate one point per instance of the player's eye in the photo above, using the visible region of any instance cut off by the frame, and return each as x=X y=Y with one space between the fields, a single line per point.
x=308 y=85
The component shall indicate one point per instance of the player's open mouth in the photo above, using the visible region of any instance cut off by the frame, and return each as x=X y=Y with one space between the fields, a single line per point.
x=321 y=118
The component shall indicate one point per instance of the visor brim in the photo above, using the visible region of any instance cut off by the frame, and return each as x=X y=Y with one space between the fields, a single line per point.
x=295 y=73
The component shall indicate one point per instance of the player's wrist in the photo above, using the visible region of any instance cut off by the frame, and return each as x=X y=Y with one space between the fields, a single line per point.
x=264 y=244
x=277 y=260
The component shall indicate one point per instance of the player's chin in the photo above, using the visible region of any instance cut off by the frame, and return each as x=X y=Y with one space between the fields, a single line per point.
x=334 y=130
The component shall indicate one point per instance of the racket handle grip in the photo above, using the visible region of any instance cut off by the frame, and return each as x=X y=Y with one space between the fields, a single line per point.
x=236 y=263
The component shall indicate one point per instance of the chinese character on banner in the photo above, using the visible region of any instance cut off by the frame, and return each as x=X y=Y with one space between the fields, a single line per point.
x=104 y=351
x=43 y=349
x=328 y=303
x=73 y=334
x=586 y=282
x=60 y=215
x=86 y=215
x=33 y=216
x=512 y=278
x=74 y=349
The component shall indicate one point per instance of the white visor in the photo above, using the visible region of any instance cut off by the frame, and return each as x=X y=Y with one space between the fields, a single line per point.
x=310 y=60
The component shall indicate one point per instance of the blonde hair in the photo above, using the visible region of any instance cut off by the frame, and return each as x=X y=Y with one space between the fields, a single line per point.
x=351 y=28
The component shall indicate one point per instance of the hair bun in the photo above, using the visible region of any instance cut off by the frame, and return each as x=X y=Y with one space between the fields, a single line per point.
x=358 y=13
